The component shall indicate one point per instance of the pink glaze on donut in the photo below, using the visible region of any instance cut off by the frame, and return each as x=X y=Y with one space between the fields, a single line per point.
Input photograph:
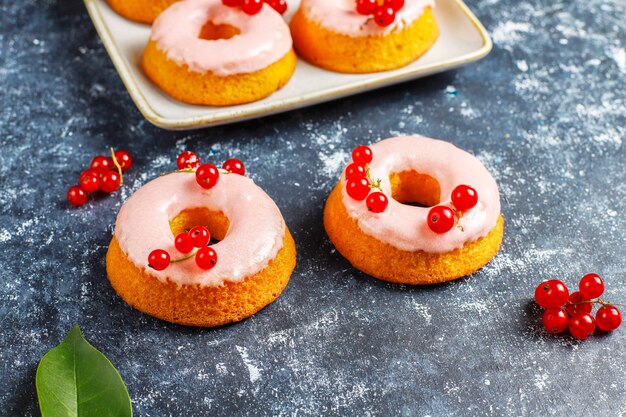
x=341 y=16
x=263 y=39
x=254 y=237
x=404 y=226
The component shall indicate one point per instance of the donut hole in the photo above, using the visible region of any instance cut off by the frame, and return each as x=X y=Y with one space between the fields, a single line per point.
x=212 y=32
x=215 y=221
x=415 y=189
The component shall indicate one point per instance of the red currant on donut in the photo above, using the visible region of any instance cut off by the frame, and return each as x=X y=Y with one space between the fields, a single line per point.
x=552 y=294
x=234 y=166
x=377 y=202
x=187 y=160
x=384 y=16
x=231 y=3
x=581 y=326
x=110 y=181
x=199 y=236
x=555 y=320
x=159 y=259
x=125 y=159
x=358 y=188
x=464 y=197
x=608 y=318
x=355 y=170
x=575 y=304
x=362 y=155
x=206 y=258
x=591 y=286
x=395 y=4
x=101 y=162
x=76 y=196
x=366 y=7
x=207 y=176
x=441 y=219
x=279 y=5
x=251 y=7
x=89 y=180
x=183 y=243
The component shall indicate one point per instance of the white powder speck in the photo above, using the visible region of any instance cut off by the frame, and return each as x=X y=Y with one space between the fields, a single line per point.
x=619 y=56
x=253 y=370
x=5 y=236
x=522 y=65
x=487 y=382
x=508 y=33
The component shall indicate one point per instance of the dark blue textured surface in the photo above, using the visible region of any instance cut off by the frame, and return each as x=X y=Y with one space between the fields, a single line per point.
x=545 y=112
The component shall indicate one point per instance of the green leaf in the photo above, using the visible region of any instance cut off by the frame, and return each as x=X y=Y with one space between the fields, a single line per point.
x=75 y=379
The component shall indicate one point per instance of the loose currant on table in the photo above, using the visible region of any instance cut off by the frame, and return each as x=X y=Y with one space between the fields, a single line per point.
x=197 y=238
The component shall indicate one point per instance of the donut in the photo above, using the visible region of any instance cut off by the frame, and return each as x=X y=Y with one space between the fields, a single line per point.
x=392 y=234
x=144 y=11
x=331 y=34
x=203 y=52
x=255 y=253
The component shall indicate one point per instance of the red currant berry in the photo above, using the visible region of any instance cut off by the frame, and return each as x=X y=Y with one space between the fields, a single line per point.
x=251 y=7
x=76 y=196
x=358 y=188
x=279 y=5
x=183 y=243
x=159 y=259
x=551 y=294
x=384 y=16
x=206 y=258
x=441 y=219
x=581 y=326
x=362 y=155
x=555 y=320
x=110 y=181
x=207 y=176
x=89 y=180
x=187 y=160
x=234 y=166
x=231 y=3
x=125 y=159
x=377 y=202
x=366 y=7
x=608 y=318
x=464 y=197
x=101 y=162
x=575 y=304
x=395 y=4
x=199 y=236
x=592 y=286
x=355 y=170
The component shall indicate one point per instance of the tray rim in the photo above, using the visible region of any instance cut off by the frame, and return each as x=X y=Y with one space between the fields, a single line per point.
x=305 y=100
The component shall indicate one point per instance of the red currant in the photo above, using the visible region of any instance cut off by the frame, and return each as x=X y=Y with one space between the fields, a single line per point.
x=362 y=155
x=279 y=5
x=110 y=181
x=89 y=180
x=384 y=16
x=159 y=259
x=183 y=243
x=199 y=236
x=234 y=166
x=366 y=7
x=125 y=159
x=395 y=4
x=207 y=176
x=552 y=294
x=251 y=7
x=441 y=219
x=187 y=160
x=231 y=3
x=608 y=318
x=355 y=170
x=76 y=196
x=575 y=305
x=206 y=258
x=464 y=197
x=592 y=286
x=358 y=188
x=101 y=162
x=555 y=320
x=377 y=202
x=581 y=326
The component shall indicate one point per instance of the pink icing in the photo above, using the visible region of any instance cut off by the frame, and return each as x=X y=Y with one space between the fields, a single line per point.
x=341 y=16
x=254 y=238
x=263 y=39
x=404 y=226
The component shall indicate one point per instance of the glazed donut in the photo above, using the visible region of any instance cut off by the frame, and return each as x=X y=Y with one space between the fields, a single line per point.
x=144 y=11
x=333 y=35
x=203 y=52
x=397 y=244
x=256 y=253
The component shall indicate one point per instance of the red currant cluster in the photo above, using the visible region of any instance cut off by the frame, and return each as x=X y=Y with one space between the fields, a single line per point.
x=207 y=175
x=104 y=174
x=383 y=11
x=197 y=238
x=359 y=183
x=441 y=219
x=573 y=311
x=253 y=7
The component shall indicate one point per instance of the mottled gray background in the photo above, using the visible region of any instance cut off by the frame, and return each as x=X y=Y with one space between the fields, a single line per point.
x=545 y=112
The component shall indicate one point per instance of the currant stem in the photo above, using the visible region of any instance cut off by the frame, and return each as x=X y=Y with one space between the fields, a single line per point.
x=373 y=184
x=117 y=165
x=175 y=261
x=179 y=171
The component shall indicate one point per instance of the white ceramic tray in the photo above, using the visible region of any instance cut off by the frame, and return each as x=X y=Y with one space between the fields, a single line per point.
x=463 y=39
